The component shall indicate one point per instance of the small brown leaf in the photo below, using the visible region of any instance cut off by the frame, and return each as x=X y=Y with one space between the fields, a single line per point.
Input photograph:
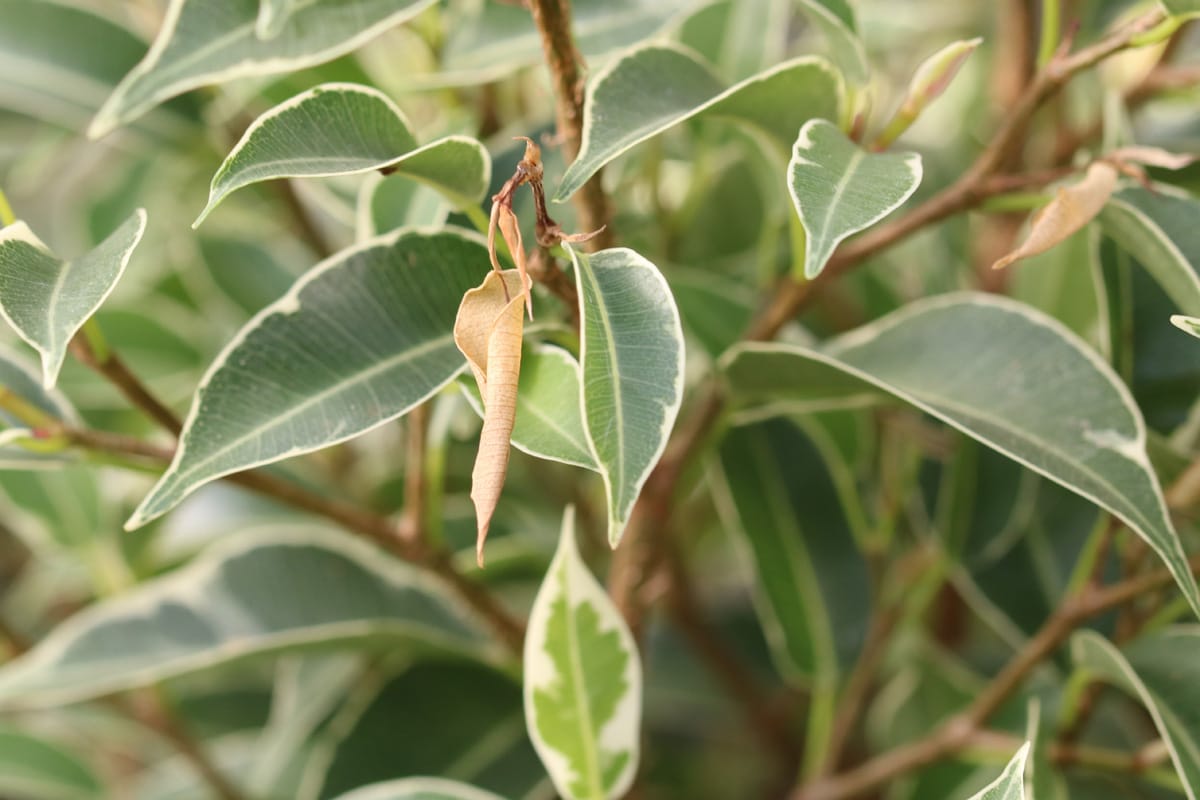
x=1070 y=210
x=488 y=332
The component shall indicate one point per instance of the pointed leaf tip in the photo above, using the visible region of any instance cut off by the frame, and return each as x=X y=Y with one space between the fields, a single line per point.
x=839 y=189
x=47 y=299
x=1072 y=207
x=488 y=332
x=582 y=680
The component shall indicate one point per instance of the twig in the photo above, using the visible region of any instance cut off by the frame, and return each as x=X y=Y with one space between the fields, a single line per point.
x=965 y=193
x=553 y=20
x=411 y=527
x=764 y=721
x=112 y=368
x=858 y=685
x=306 y=227
x=151 y=710
x=378 y=528
x=956 y=733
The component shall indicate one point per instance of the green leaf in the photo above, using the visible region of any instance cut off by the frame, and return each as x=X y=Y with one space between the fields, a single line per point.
x=838 y=24
x=60 y=62
x=1181 y=8
x=47 y=299
x=397 y=201
x=253 y=595
x=653 y=88
x=771 y=477
x=583 y=681
x=492 y=43
x=359 y=340
x=345 y=129
x=479 y=738
x=839 y=189
x=18 y=447
x=549 y=421
x=1188 y=324
x=632 y=357
x=1011 y=783
x=1001 y=373
x=1160 y=670
x=418 y=789
x=272 y=16
x=205 y=42
x=1065 y=282
x=1159 y=229
x=35 y=768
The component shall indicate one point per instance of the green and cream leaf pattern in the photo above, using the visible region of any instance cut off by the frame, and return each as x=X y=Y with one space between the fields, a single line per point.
x=47 y=299
x=276 y=591
x=583 y=681
x=1011 y=783
x=1159 y=229
x=1161 y=671
x=360 y=339
x=344 y=129
x=549 y=420
x=839 y=189
x=205 y=42
x=1001 y=372
x=418 y=789
x=632 y=359
x=653 y=88
x=837 y=21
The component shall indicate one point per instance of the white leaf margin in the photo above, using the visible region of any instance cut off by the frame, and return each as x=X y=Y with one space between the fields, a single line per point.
x=1013 y=771
x=20 y=232
x=1084 y=639
x=186 y=582
x=108 y=119
x=214 y=199
x=804 y=143
x=289 y=304
x=589 y=101
x=1131 y=449
x=417 y=789
x=622 y=731
x=670 y=412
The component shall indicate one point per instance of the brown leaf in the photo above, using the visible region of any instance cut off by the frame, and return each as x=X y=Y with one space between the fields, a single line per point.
x=488 y=332
x=510 y=229
x=1070 y=210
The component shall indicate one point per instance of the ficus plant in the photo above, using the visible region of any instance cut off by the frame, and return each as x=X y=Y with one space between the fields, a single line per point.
x=463 y=400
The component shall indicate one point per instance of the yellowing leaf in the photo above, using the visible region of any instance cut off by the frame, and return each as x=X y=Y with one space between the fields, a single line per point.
x=488 y=332
x=1073 y=207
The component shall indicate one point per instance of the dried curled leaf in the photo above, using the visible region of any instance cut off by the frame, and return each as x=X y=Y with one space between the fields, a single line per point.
x=1073 y=207
x=488 y=332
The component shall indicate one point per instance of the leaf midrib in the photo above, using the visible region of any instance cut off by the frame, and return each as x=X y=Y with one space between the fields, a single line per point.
x=583 y=711
x=310 y=401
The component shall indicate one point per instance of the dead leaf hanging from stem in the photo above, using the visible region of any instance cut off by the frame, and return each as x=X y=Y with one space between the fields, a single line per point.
x=488 y=331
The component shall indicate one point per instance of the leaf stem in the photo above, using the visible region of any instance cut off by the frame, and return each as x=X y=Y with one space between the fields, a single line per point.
x=93 y=351
x=1051 y=31
x=553 y=20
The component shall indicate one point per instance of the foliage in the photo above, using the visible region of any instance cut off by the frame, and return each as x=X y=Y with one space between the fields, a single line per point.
x=475 y=399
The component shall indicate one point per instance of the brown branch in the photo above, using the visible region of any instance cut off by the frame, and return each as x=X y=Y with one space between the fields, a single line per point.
x=113 y=369
x=378 y=528
x=553 y=20
x=149 y=709
x=763 y=717
x=411 y=528
x=302 y=220
x=965 y=193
